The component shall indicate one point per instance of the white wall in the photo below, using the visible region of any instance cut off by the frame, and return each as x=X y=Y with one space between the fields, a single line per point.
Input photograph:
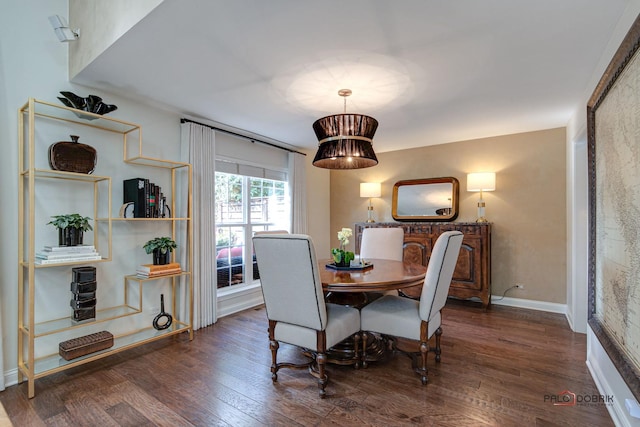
x=34 y=64
x=607 y=378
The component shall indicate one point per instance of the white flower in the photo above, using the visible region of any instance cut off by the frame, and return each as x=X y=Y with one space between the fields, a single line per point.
x=344 y=234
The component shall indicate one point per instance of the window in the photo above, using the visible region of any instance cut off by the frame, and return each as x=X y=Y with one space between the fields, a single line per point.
x=244 y=205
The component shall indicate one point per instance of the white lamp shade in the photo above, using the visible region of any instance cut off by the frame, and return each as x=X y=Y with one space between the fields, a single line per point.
x=481 y=181
x=370 y=189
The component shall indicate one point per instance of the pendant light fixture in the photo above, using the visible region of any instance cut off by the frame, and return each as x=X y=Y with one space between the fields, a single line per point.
x=345 y=140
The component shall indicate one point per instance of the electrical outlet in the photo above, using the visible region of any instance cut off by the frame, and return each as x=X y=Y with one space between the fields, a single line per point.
x=519 y=286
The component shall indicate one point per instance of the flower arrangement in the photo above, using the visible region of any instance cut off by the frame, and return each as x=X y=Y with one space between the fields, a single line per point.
x=341 y=256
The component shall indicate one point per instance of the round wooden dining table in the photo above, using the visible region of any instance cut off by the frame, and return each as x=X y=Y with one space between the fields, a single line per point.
x=350 y=286
x=356 y=288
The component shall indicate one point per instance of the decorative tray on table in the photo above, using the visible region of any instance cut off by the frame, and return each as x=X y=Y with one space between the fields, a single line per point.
x=362 y=266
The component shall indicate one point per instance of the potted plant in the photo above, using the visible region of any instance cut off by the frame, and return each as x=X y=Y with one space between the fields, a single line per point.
x=71 y=228
x=160 y=247
x=340 y=255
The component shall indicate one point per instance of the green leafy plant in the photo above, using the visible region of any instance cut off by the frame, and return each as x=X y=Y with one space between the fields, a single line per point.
x=71 y=221
x=163 y=244
x=340 y=255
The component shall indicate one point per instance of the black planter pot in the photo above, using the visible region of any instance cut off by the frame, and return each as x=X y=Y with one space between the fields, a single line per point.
x=70 y=236
x=160 y=258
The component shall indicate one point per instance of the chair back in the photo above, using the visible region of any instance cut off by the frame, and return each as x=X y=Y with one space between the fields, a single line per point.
x=290 y=279
x=258 y=233
x=382 y=243
x=442 y=264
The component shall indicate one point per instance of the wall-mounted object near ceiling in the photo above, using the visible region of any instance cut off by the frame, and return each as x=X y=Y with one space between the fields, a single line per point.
x=345 y=139
x=429 y=199
x=481 y=181
x=370 y=189
x=62 y=30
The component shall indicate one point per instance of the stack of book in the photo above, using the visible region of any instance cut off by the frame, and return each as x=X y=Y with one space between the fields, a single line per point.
x=60 y=254
x=147 y=197
x=153 y=270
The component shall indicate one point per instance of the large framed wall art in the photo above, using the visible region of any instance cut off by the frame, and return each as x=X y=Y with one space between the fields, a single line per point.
x=613 y=121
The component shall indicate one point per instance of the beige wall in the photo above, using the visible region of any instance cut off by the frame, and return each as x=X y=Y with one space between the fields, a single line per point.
x=527 y=209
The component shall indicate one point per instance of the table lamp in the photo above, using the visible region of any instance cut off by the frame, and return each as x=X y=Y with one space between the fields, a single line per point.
x=481 y=181
x=370 y=189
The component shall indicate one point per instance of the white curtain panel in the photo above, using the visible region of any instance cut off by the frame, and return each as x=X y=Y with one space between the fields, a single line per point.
x=198 y=147
x=1 y=353
x=298 y=191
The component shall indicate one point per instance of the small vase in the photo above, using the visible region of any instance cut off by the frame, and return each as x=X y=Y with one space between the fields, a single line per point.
x=70 y=236
x=160 y=258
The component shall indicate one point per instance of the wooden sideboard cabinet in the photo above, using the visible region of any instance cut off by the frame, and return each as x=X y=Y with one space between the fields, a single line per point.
x=472 y=276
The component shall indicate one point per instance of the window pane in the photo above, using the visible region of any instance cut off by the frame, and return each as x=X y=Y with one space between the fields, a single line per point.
x=230 y=255
x=238 y=216
x=229 y=207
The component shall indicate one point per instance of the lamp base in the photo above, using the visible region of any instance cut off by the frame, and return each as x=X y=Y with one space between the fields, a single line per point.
x=482 y=219
x=370 y=213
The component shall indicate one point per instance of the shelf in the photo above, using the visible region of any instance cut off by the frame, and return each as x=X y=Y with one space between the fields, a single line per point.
x=60 y=112
x=158 y=163
x=50 y=364
x=146 y=279
x=25 y=264
x=35 y=195
x=72 y=176
x=142 y=219
x=65 y=323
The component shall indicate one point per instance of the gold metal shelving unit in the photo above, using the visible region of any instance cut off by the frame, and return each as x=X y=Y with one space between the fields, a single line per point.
x=29 y=331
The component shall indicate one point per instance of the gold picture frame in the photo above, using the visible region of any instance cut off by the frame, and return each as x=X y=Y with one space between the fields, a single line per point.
x=614 y=202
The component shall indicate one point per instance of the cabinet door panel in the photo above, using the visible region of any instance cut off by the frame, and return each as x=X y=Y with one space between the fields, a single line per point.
x=417 y=250
x=466 y=273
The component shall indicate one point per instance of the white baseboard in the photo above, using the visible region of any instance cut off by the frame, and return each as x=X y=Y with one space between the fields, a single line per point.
x=552 y=307
x=11 y=377
x=609 y=382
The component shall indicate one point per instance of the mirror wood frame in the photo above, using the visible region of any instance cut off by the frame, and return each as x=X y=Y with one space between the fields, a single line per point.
x=425 y=184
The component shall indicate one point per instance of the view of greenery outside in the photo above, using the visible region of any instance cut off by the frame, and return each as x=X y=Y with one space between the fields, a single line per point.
x=245 y=205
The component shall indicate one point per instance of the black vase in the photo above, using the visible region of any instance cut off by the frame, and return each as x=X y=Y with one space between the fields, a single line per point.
x=70 y=236
x=160 y=258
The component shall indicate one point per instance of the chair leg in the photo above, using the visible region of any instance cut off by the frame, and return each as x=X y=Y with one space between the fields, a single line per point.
x=273 y=345
x=437 y=349
x=422 y=371
x=321 y=358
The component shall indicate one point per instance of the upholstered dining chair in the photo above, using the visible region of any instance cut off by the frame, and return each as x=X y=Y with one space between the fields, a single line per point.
x=257 y=233
x=382 y=243
x=295 y=304
x=394 y=316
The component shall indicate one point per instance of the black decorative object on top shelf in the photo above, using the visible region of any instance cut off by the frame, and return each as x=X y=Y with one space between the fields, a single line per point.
x=92 y=104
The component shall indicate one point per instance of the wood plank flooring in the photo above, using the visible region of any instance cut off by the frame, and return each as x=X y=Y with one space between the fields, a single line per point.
x=497 y=367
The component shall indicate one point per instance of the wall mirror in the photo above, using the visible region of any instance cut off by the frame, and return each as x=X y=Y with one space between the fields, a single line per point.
x=430 y=199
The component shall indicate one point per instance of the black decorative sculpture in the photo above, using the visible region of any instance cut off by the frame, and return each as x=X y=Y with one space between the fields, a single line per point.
x=92 y=104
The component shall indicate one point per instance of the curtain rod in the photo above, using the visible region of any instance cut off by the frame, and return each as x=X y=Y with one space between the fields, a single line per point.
x=183 y=120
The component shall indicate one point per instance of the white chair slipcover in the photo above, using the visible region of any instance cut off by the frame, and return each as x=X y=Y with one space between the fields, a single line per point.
x=295 y=304
x=417 y=320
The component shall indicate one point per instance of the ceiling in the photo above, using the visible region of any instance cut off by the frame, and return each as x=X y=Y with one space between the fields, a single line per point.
x=430 y=71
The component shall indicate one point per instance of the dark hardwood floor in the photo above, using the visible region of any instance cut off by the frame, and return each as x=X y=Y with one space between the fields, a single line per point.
x=497 y=367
